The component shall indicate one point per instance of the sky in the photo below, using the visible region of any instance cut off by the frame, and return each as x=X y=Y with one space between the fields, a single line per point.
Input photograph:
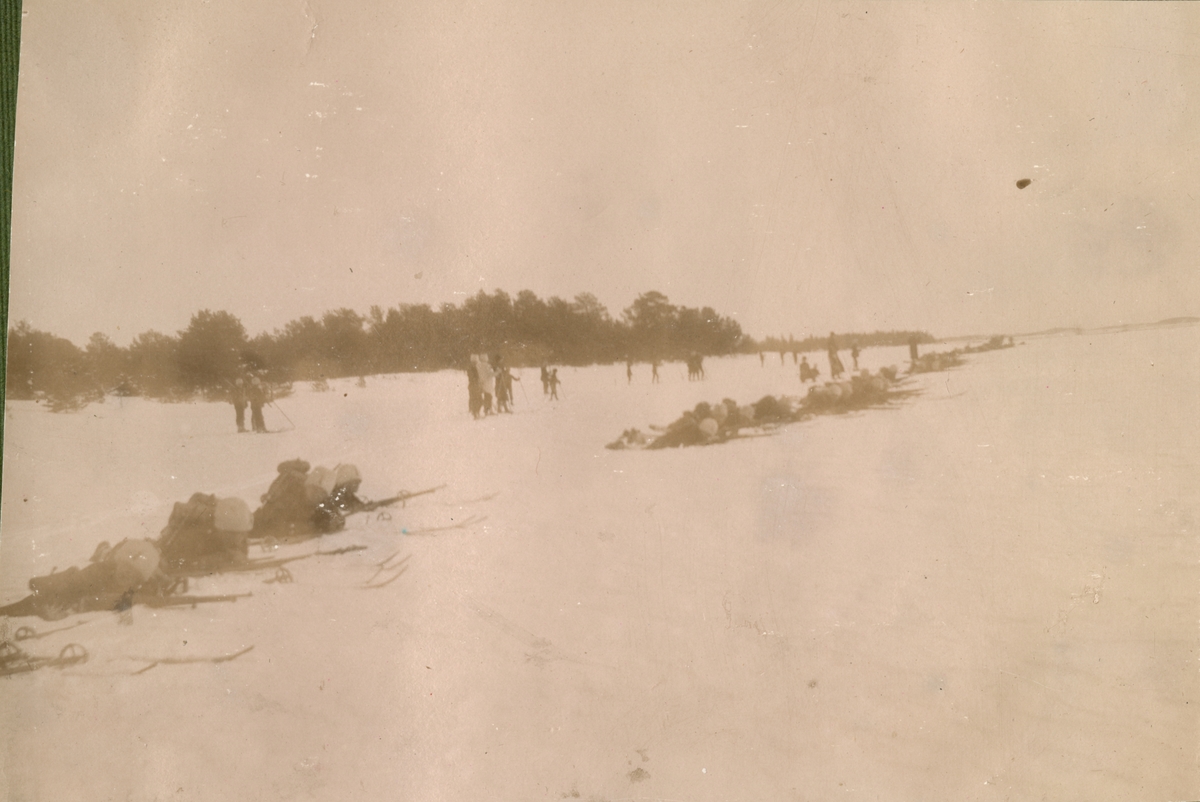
x=802 y=167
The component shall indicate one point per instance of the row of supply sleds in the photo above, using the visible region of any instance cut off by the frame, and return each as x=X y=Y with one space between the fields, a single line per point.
x=938 y=361
x=997 y=343
x=205 y=535
x=708 y=424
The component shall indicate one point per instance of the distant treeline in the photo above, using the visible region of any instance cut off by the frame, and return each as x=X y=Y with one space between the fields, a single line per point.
x=874 y=339
x=215 y=349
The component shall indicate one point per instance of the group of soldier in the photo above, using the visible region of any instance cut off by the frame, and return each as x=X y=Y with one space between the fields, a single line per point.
x=809 y=372
x=490 y=383
x=653 y=371
x=550 y=382
x=254 y=393
x=489 y=379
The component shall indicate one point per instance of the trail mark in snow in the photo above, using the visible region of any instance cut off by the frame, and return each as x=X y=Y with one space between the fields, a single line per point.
x=343 y=550
x=398 y=568
x=387 y=581
x=429 y=530
x=184 y=660
x=488 y=497
x=544 y=651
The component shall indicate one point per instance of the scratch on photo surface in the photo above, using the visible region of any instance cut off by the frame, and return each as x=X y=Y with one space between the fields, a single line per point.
x=310 y=14
x=1027 y=679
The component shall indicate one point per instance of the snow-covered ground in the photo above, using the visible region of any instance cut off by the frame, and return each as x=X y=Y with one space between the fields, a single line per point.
x=989 y=592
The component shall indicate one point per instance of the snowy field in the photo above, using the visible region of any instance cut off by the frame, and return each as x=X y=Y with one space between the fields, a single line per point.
x=986 y=593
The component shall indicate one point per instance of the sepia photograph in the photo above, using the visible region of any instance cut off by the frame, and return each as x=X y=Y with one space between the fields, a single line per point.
x=614 y=402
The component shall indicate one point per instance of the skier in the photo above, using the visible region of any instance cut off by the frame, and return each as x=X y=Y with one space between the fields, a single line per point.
x=503 y=386
x=835 y=362
x=474 y=389
x=239 y=404
x=487 y=382
x=258 y=397
x=508 y=378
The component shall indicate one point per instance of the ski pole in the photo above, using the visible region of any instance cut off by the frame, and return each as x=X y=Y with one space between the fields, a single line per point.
x=281 y=412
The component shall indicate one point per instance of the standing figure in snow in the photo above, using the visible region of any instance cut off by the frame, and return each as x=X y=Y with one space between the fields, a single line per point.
x=545 y=380
x=508 y=379
x=474 y=388
x=503 y=385
x=629 y=371
x=501 y=392
x=239 y=404
x=762 y=359
x=835 y=362
x=554 y=385
x=487 y=383
x=854 y=352
x=912 y=349
x=654 y=372
x=258 y=397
